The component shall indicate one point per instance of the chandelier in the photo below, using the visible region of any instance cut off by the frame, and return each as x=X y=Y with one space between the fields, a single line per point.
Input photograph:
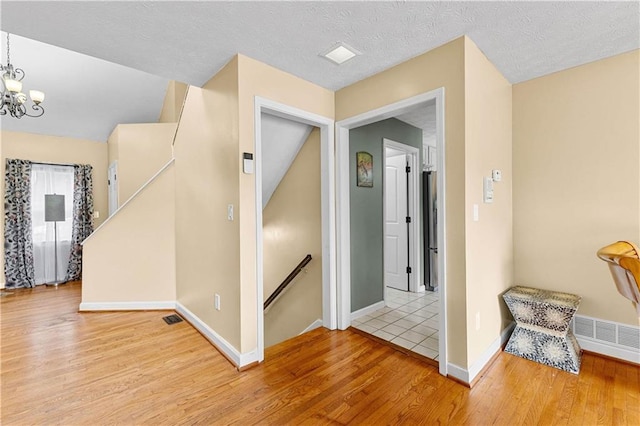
x=14 y=101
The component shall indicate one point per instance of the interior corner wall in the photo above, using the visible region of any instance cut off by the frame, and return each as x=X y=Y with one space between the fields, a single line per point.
x=258 y=79
x=489 y=241
x=112 y=146
x=366 y=208
x=440 y=67
x=141 y=151
x=64 y=150
x=576 y=158
x=292 y=228
x=173 y=101
x=207 y=172
x=132 y=257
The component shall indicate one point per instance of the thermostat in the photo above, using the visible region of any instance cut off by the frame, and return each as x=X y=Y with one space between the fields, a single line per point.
x=247 y=163
x=487 y=189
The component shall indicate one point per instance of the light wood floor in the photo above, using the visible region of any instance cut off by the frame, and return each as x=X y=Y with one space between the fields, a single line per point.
x=62 y=367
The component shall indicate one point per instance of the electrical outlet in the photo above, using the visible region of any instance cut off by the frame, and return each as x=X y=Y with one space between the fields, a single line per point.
x=477 y=320
x=216 y=301
x=230 y=212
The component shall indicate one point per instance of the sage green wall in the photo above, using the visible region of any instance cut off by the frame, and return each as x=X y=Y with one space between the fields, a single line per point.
x=367 y=272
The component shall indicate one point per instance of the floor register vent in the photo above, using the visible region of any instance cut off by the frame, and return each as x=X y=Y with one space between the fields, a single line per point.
x=172 y=319
x=607 y=332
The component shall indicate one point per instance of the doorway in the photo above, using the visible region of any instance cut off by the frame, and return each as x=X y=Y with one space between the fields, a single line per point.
x=327 y=207
x=344 y=212
x=396 y=234
x=401 y=217
x=291 y=228
x=112 y=181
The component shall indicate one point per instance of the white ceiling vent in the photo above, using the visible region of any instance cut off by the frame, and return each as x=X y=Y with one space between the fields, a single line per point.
x=341 y=53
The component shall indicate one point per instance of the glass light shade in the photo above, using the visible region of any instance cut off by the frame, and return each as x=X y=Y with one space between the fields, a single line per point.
x=21 y=97
x=14 y=86
x=36 y=96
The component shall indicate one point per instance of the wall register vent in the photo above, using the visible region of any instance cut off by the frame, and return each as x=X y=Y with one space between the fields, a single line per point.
x=618 y=339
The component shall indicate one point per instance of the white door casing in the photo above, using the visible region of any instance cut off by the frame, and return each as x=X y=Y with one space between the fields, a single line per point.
x=396 y=253
x=327 y=194
x=343 y=181
x=112 y=180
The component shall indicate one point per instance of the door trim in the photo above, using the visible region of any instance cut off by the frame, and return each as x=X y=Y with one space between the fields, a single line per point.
x=113 y=188
x=414 y=207
x=327 y=191
x=343 y=214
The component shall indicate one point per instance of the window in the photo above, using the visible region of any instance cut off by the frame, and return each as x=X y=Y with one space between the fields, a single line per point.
x=50 y=179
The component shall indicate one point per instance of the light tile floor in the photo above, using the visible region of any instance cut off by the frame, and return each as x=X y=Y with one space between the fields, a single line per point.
x=409 y=320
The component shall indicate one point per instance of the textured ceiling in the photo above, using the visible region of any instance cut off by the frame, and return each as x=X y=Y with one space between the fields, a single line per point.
x=422 y=117
x=190 y=41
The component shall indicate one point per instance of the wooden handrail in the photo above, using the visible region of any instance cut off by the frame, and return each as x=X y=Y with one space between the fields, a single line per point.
x=287 y=281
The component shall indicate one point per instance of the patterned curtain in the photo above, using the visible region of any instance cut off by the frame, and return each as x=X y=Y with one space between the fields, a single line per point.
x=18 y=244
x=82 y=218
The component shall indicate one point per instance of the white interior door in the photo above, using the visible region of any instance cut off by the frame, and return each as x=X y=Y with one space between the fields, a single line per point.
x=396 y=250
x=113 y=187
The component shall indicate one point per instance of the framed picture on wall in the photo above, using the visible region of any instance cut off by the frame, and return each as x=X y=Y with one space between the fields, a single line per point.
x=364 y=167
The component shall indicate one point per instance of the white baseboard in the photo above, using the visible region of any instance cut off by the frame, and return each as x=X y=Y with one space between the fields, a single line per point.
x=239 y=359
x=467 y=376
x=609 y=350
x=316 y=324
x=126 y=306
x=367 y=310
x=592 y=344
x=495 y=347
x=607 y=338
x=458 y=372
x=587 y=327
x=2 y=284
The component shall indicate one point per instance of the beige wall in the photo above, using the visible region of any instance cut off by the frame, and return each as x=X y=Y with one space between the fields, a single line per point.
x=292 y=228
x=258 y=79
x=576 y=158
x=207 y=175
x=489 y=241
x=441 y=67
x=173 y=101
x=214 y=255
x=53 y=149
x=132 y=257
x=141 y=150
